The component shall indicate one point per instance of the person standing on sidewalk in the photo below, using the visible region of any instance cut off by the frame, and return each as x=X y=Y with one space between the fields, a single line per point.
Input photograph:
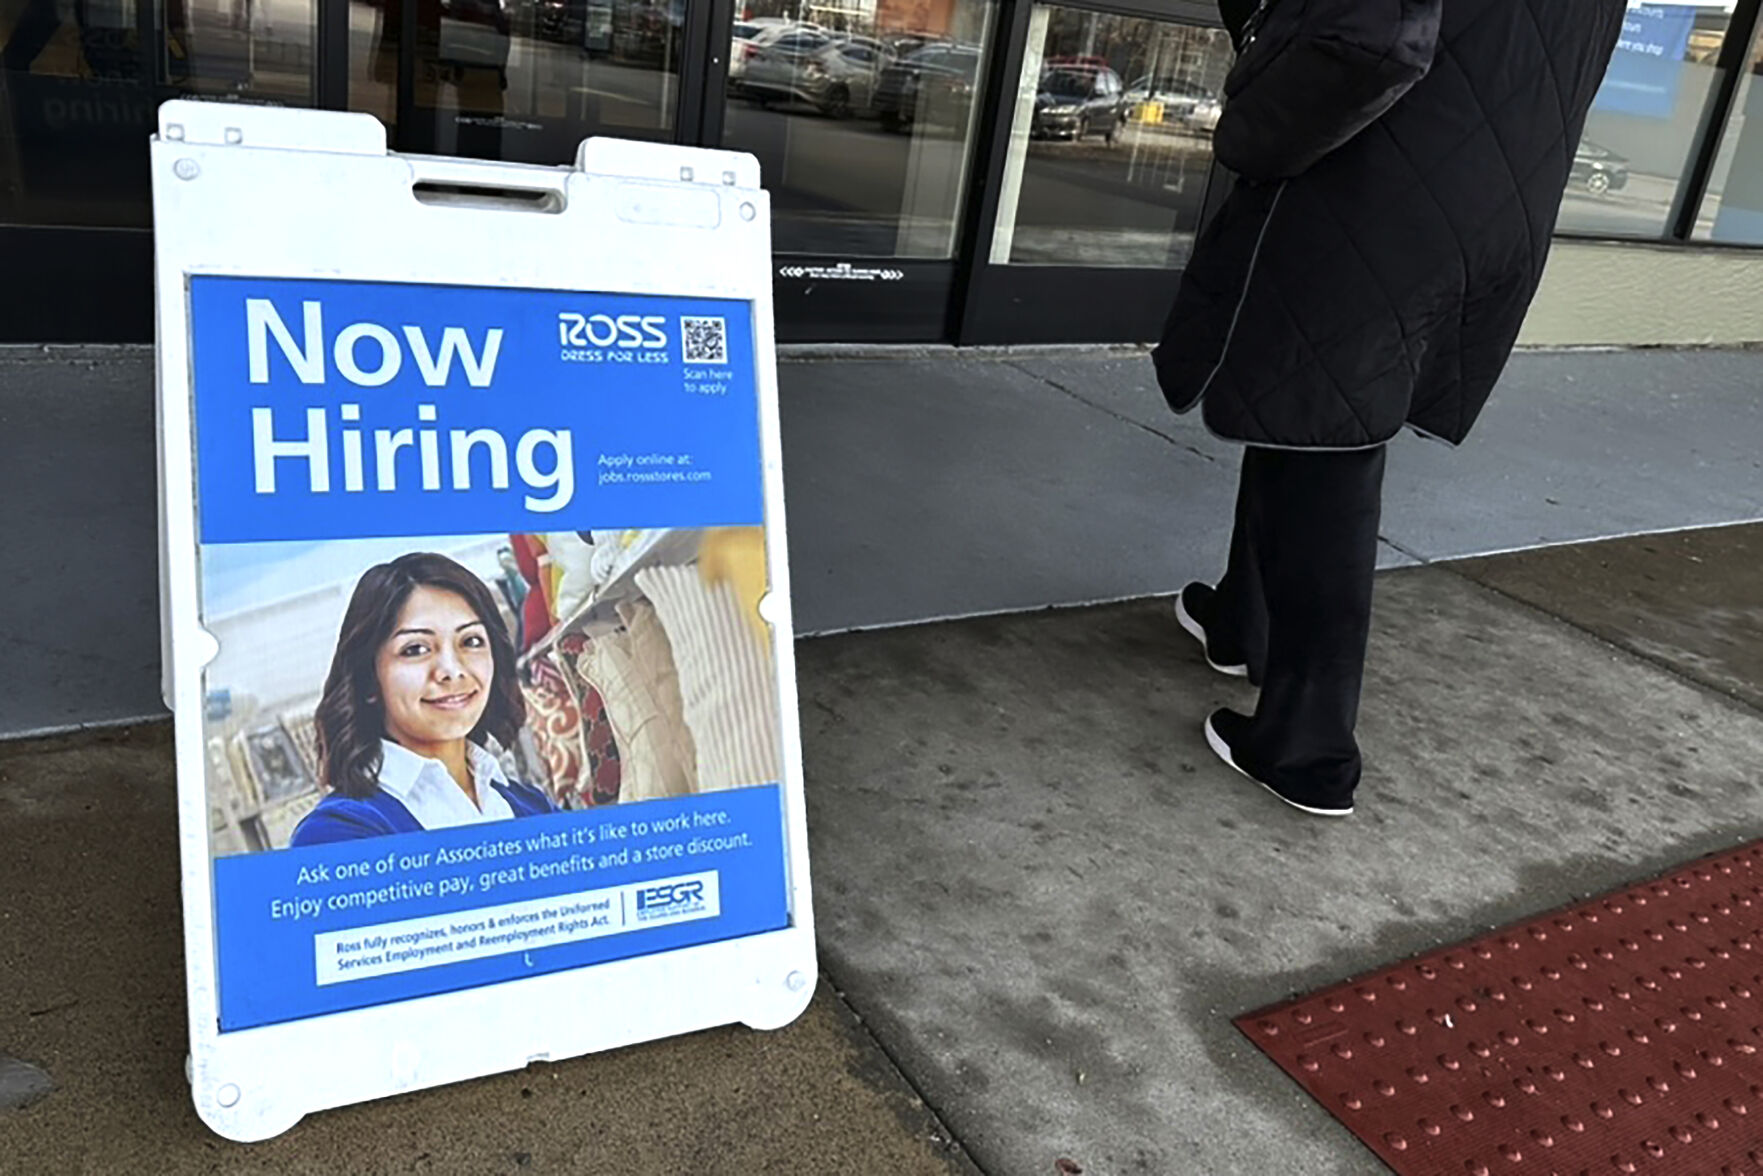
x=1342 y=295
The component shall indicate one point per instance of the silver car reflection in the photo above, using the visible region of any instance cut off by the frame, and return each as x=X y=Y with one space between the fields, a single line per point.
x=836 y=75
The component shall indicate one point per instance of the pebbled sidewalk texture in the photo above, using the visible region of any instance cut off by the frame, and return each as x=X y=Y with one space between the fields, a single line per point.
x=1040 y=900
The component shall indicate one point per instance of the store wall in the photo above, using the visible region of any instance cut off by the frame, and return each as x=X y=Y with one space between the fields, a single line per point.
x=1647 y=295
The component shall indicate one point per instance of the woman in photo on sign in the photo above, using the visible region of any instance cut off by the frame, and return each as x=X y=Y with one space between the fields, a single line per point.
x=423 y=675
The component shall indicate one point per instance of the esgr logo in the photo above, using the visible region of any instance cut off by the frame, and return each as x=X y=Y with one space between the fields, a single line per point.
x=637 y=332
x=672 y=895
x=676 y=898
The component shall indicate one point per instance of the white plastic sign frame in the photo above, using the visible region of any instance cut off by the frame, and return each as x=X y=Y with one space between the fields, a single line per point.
x=275 y=194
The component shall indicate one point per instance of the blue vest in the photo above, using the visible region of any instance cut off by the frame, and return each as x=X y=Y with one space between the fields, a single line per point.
x=346 y=818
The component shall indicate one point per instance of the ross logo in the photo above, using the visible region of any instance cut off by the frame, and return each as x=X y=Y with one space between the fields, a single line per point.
x=641 y=332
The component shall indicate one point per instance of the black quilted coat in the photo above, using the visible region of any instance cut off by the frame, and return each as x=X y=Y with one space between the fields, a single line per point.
x=1386 y=286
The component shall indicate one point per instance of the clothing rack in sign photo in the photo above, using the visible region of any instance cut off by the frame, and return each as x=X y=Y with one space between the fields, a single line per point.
x=646 y=669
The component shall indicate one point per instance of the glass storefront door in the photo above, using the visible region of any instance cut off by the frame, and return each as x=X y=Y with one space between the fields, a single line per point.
x=1110 y=148
x=522 y=80
x=864 y=125
x=81 y=80
x=863 y=115
x=1102 y=174
x=940 y=170
x=969 y=171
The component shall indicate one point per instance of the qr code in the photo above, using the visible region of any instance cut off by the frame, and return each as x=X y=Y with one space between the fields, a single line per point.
x=706 y=339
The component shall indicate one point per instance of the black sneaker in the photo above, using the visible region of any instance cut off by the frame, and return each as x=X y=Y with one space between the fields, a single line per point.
x=1191 y=603
x=1226 y=732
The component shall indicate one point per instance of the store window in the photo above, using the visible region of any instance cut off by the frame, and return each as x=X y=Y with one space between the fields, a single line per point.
x=81 y=82
x=1111 y=141
x=516 y=79
x=1732 y=214
x=862 y=117
x=1642 y=128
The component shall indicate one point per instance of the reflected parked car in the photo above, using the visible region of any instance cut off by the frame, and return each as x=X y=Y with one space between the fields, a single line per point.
x=1184 y=102
x=1177 y=96
x=740 y=39
x=934 y=84
x=902 y=44
x=748 y=36
x=1598 y=169
x=837 y=74
x=775 y=62
x=841 y=78
x=1078 y=100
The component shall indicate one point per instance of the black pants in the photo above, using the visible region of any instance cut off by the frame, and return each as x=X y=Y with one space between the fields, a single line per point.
x=1295 y=603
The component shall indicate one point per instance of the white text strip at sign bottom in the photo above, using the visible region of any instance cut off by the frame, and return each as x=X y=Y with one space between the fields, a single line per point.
x=389 y=948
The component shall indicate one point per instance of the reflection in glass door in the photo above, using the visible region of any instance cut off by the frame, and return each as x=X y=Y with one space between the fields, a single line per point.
x=862 y=116
x=81 y=82
x=516 y=79
x=260 y=50
x=1641 y=132
x=1732 y=212
x=1102 y=164
x=1110 y=144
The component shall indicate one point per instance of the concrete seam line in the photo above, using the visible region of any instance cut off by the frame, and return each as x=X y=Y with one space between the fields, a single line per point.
x=1419 y=559
x=981 y=614
x=1050 y=382
x=960 y=1149
x=30 y=352
x=1727 y=697
x=1549 y=544
x=29 y=734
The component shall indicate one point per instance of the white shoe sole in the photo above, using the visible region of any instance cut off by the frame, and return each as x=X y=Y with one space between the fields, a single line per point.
x=1222 y=750
x=1198 y=633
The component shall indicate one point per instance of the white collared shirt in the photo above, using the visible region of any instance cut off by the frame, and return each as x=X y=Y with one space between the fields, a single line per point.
x=427 y=789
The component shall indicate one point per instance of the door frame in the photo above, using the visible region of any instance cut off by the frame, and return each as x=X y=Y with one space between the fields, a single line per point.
x=699 y=82
x=840 y=298
x=964 y=299
x=1004 y=304
x=93 y=283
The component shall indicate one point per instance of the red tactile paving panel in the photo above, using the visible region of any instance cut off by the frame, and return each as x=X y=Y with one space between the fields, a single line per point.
x=1621 y=1035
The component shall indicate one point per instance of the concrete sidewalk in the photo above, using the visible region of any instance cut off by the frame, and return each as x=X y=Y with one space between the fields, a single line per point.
x=91 y=956
x=921 y=484
x=1040 y=900
x=1049 y=900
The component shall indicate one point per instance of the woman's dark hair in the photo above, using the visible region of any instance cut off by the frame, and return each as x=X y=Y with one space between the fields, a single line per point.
x=351 y=717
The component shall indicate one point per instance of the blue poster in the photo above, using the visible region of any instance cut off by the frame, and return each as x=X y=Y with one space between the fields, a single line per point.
x=351 y=409
x=362 y=922
x=493 y=696
x=1647 y=70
